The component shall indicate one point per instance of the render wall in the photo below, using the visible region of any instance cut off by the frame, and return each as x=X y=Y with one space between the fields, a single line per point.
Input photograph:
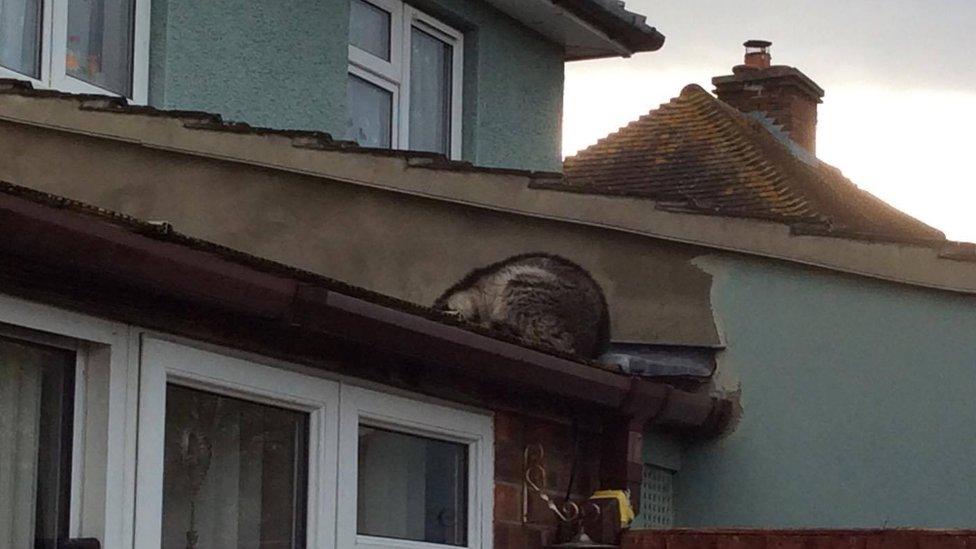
x=283 y=64
x=857 y=402
x=404 y=246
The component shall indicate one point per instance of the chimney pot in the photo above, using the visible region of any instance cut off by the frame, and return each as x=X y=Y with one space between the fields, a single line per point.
x=757 y=54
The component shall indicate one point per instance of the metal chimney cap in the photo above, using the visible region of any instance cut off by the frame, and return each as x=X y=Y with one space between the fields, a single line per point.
x=757 y=43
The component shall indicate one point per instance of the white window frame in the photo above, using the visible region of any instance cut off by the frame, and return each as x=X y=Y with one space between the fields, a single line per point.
x=53 y=42
x=394 y=75
x=103 y=440
x=166 y=362
x=410 y=416
x=121 y=373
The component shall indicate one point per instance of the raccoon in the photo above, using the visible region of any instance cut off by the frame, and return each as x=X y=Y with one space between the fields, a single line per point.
x=541 y=298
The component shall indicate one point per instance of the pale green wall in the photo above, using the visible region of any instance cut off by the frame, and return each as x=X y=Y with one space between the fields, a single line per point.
x=283 y=64
x=858 y=404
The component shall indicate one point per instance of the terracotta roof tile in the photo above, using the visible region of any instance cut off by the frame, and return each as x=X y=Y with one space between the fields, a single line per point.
x=697 y=154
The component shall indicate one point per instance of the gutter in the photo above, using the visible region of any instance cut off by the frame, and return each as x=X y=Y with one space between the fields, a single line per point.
x=85 y=242
x=623 y=27
x=587 y=29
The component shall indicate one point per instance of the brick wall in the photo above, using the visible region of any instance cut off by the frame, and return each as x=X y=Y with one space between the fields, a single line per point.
x=787 y=106
x=800 y=539
x=513 y=432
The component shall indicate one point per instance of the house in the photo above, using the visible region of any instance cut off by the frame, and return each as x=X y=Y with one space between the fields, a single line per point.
x=752 y=272
x=745 y=277
x=113 y=372
x=159 y=389
x=844 y=322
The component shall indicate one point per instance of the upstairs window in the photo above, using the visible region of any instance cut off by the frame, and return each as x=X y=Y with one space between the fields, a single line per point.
x=404 y=82
x=80 y=46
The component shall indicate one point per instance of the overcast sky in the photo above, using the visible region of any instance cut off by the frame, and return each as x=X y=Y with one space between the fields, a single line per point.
x=899 y=115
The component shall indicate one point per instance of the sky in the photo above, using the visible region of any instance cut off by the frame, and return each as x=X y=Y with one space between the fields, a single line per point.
x=899 y=114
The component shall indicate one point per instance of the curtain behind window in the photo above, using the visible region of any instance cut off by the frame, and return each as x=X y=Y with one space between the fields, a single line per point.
x=36 y=388
x=20 y=24
x=20 y=423
x=235 y=473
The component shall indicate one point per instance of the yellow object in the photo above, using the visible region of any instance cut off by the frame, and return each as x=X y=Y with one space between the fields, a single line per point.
x=626 y=511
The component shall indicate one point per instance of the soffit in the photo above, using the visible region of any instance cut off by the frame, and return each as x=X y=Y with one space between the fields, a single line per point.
x=587 y=29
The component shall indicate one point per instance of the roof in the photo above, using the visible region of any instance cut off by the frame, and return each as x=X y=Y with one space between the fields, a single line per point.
x=587 y=29
x=89 y=257
x=928 y=263
x=697 y=154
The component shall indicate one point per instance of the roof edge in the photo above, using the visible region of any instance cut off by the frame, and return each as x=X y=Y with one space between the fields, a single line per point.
x=611 y=17
x=97 y=244
x=586 y=29
x=509 y=191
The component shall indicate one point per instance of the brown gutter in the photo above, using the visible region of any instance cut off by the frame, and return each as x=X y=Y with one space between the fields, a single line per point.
x=89 y=242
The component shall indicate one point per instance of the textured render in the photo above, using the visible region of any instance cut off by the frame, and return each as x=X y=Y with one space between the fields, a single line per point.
x=513 y=88
x=283 y=65
x=412 y=248
x=280 y=64
x=857 y=402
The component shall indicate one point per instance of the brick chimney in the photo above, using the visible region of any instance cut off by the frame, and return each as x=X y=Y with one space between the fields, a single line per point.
x=783 y=94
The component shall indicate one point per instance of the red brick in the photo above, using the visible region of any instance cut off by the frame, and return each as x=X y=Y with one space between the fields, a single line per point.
x=513 y=536
x=643 y=540
x=508 y=427
x=508 y=461
x=943 y=542
x=508 y=502
x=836 y=541
x=786 y=542
x=739 y=542
x=690 y=541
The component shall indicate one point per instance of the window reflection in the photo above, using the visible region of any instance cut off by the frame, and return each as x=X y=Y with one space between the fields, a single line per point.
x=235 y=473
x=412 y=487
x=99 y=44
x=20 y=36
x=369 y=28
x=370 y=114
x=430 y=93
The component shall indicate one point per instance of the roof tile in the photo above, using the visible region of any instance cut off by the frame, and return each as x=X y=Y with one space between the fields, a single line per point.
x=698 y=154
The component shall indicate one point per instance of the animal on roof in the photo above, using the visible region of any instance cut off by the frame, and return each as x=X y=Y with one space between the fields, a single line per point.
x=541 y=298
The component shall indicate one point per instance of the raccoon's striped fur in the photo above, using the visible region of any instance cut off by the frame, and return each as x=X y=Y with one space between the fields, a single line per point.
x=541 y=298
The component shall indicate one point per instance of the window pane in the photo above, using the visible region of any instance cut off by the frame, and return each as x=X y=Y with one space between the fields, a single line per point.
x=412 y=487
x=36 y=390
x=20 y=36
x=100 y=43
x=370 y=114
x=430 y=93
x=369 y=28
x=235 y=473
